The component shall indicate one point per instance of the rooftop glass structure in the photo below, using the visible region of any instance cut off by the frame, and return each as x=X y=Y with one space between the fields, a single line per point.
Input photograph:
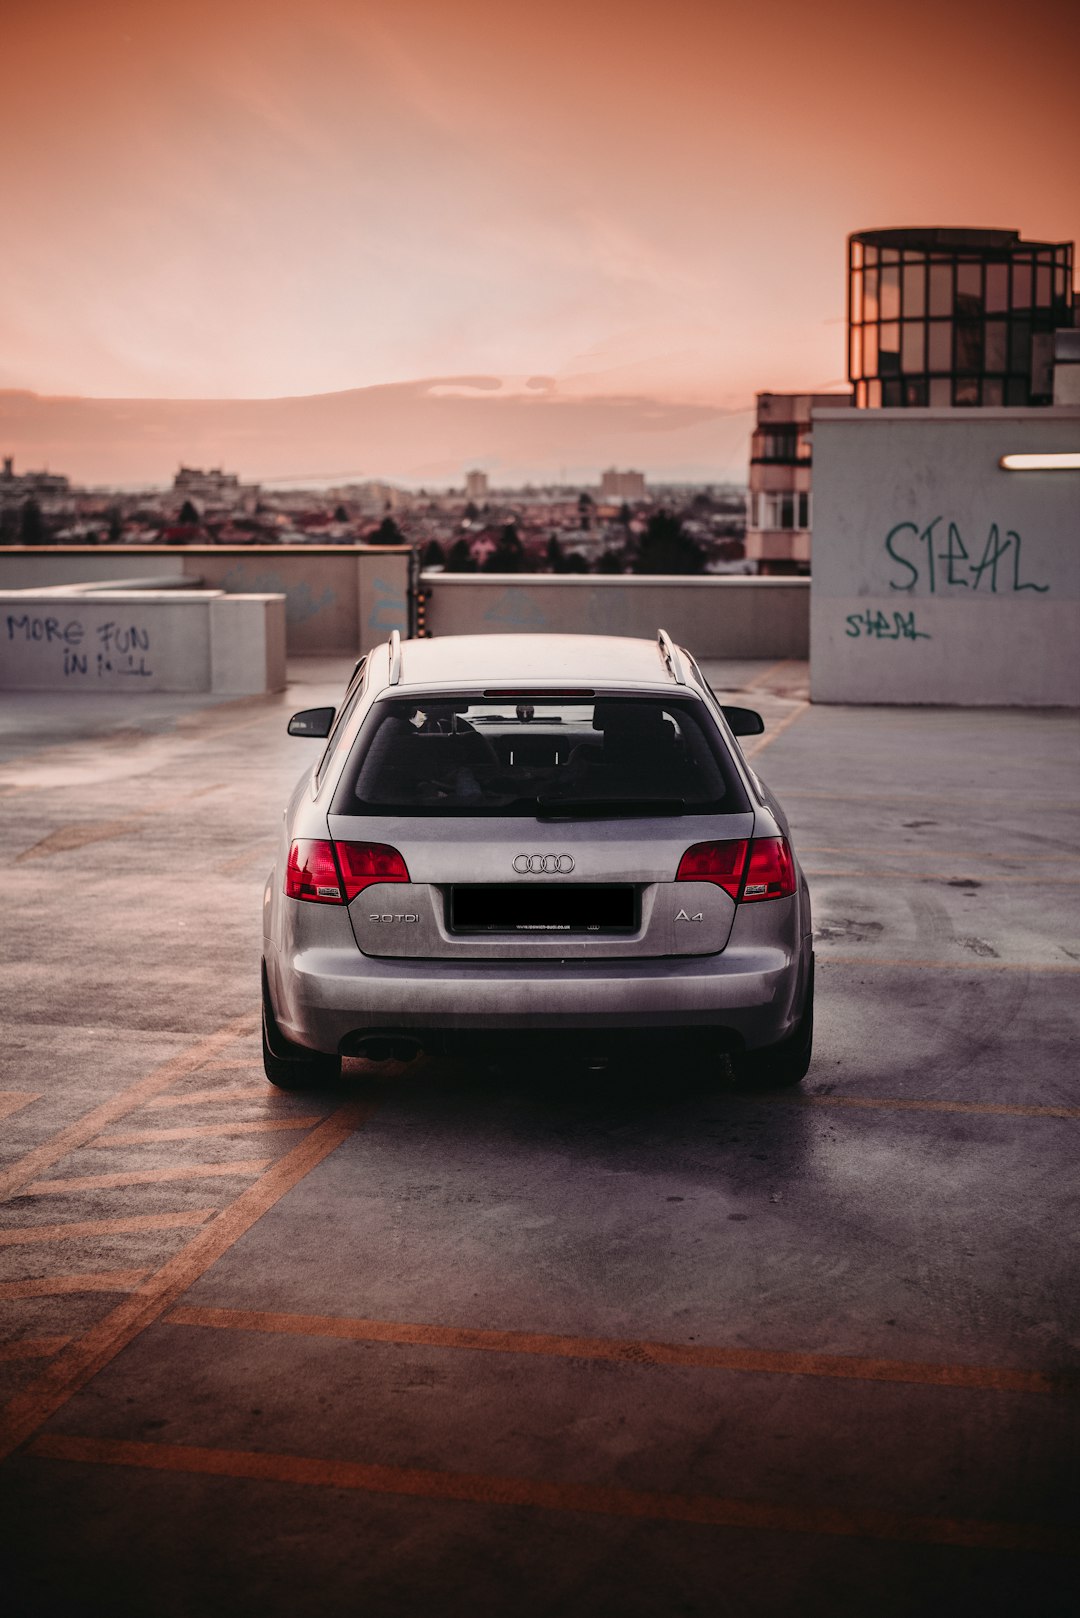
x=954 y=317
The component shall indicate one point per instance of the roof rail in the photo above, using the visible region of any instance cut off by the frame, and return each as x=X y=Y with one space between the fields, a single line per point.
x=671 y=657
x=395 y=657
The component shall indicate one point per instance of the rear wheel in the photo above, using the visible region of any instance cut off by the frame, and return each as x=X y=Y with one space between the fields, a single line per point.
x=778 y=1067
x=289 y=1066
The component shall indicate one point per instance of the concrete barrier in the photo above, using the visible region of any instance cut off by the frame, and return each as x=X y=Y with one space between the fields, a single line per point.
x=141 y=640
x=726 y=617
x=338 y=598
x=939 y=575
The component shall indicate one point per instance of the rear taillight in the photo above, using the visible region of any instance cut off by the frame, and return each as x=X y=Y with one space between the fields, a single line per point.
x=722 y=863
x=771 y=872
x=761 y=869
x=314 y=873
x=365 y=863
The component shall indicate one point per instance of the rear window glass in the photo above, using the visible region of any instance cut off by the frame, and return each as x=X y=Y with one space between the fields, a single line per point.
x=501 y=756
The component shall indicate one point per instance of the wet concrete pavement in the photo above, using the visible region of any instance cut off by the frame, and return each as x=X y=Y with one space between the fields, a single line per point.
x=489 y=1342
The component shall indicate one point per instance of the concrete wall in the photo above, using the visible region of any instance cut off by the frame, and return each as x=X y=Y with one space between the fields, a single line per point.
x=713 y=617
x=338 y=598
x=938 y=576
x=141 y=640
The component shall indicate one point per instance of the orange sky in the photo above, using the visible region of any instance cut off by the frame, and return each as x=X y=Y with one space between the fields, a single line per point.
x=250 y=198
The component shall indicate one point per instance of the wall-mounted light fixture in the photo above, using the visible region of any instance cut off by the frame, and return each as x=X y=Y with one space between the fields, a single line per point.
x=1065 y=461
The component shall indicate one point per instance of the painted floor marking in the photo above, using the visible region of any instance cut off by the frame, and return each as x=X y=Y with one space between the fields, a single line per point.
x=998 y=1379
x=125 y=1225
x=1027 y=877
x=54 y=1286
x=777 y=730
x=32 y=1348
x=987 y=1108
x=29 y=1167
x=15 y=1100
x=943 y=854
x=67 y=838
x=919 y=800
x=85 y=1355
x=234 y=1092
x=766 y=675
x=264 y=1126
x=595 y=1499
x=104 y=1182
x=828 y=958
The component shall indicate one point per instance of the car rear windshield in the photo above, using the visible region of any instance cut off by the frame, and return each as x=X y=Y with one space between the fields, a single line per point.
x=552 y=758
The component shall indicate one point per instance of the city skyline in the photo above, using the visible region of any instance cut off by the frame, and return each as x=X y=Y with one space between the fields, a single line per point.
x=580 y=207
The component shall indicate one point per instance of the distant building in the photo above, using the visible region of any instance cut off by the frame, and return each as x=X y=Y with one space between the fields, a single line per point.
x=476 y=487
x=955 y=317
x=779 y=502
x=622 y=485
x=16 y=486
x=213 y=488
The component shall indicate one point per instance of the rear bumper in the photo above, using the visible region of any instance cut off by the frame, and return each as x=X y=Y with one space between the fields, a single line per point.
x=753 y=991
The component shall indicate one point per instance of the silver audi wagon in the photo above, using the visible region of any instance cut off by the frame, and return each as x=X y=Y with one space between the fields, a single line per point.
x=553 y=839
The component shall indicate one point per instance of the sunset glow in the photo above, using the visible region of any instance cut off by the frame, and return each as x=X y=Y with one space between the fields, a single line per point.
x=256 y=199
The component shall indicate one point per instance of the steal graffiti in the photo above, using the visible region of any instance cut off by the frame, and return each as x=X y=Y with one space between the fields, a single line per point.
x=884 y=626
x=939 y=555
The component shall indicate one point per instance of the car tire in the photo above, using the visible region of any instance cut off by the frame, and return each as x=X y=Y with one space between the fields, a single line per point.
x=289 y=1066
x=780 y=1067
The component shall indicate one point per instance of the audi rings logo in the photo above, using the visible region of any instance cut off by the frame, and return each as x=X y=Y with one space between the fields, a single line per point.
x=543 y=864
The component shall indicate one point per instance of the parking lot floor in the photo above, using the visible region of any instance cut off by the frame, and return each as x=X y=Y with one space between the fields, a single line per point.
x=532 y=1341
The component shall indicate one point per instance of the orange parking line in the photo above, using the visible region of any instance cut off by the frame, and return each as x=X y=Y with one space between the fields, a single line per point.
x=1005 y=1109
x=766 y=675
x=234 y=1092
x=85 y=1355
x=24 y=1235
x=103 y=1182
x=922 y=800
x=983 y=877
x=995 y=1379
x=826 y=957
x=51 y=1151
x=777 y=730
x=942 y=854
x=135 y=1137
x=32 y=1348
x=482 y=1489
x=15 y=1100
x=54 y=1286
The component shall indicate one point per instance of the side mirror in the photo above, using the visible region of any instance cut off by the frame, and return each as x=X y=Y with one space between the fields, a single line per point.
x=744 y=721
x=312 y=722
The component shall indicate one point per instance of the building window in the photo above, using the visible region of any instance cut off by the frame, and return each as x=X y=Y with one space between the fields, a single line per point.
x=783 y=509
x=997 y=288
x=913 y=347
x=940 y=345
x=966 y=308
x=914 y=288
x=941 y=289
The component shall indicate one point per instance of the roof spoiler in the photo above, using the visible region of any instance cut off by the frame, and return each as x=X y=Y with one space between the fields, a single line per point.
x=394 y=644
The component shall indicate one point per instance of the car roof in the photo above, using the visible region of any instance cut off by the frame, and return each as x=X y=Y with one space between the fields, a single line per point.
x=527 y=659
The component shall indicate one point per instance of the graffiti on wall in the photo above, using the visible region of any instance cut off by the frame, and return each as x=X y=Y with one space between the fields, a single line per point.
x=109 y=648
x=938 y=556
x=389 y=609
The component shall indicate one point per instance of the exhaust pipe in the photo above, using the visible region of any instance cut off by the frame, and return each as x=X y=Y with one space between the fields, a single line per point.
x=381 y=1048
